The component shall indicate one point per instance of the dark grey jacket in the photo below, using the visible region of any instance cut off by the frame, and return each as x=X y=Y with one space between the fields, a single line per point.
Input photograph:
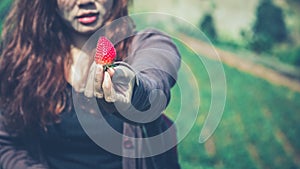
x=150 y=49
x=25 y=153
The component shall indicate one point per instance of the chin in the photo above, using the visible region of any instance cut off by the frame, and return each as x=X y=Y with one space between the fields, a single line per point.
x=87 y=30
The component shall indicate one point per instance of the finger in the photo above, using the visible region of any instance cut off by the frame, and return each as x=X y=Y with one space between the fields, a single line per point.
x=108 y=88
x=122 y=75
x=111 y=71
x=75 y=80
x=124 y=82
x=89 y=87
x=98 y=92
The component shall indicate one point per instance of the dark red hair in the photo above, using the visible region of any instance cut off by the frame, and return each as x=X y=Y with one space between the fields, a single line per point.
x=35 y=47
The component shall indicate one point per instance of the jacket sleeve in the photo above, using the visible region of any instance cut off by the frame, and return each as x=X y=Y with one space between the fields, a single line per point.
x=156 y=60
x=14 y=155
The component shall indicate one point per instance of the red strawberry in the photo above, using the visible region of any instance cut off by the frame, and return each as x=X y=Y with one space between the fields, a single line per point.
x=105 y=52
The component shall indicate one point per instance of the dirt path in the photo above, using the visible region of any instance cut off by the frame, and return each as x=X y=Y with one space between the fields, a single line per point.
x=242 y=64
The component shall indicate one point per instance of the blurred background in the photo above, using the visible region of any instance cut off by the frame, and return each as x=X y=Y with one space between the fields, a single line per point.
x=259 y=45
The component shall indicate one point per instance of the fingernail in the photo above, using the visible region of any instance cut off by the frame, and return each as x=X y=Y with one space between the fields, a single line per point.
x=99 y=95
x=99 y=69
x=81 y=90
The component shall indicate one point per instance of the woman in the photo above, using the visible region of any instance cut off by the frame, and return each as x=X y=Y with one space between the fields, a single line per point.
x=48 y=79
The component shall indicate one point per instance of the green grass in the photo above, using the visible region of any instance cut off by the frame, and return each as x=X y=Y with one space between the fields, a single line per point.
x=247 y=137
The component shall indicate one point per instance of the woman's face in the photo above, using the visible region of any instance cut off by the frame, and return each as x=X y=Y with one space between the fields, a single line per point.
x=84 y=16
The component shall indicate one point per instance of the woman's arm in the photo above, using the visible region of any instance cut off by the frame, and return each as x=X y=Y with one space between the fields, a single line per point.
x=139 y=87
x=14 y=155
x=156 y=61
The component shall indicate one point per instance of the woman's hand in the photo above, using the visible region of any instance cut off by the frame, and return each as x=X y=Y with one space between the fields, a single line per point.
x=114 y=85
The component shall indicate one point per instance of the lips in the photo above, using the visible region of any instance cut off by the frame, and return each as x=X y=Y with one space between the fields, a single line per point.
x=87 y=18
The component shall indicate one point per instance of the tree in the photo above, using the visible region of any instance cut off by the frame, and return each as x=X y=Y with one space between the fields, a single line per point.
x=269 y=27
x=208 y=27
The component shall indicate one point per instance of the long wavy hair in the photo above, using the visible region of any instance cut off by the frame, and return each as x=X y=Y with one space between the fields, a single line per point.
x=35 y=47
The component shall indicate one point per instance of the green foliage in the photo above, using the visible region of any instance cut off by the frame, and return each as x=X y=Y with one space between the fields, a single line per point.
x=294 y=1
x=207 y=25
x=290 y=55
x=269 y=27
x=258 y=127
x=4 y=8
